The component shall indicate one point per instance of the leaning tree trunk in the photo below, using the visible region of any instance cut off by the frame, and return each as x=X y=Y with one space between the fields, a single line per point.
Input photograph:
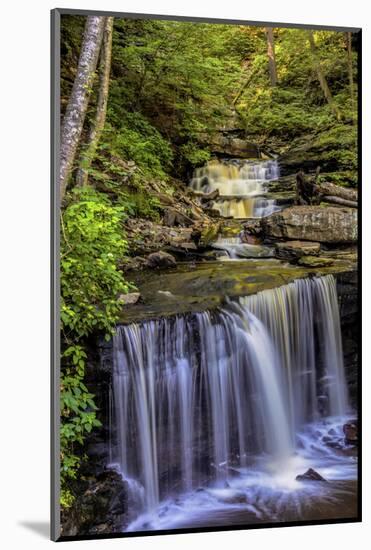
x=243 y=87
x=321 y=77
x=100 y=117
x=78 y=103
x=271 y=56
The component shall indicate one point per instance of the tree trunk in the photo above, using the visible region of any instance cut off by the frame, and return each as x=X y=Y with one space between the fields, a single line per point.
x=327 y=188
x=321 y=77
x=100 y=117
x=350 y=70
x=243 y=87
x=340 y=201
x=271 y=56
x=305 y=190
x=78 y=103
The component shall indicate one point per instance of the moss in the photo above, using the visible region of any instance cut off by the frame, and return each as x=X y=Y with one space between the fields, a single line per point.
x=209 y=234
x=315 y=261
x=195 y=287
x=231 y=230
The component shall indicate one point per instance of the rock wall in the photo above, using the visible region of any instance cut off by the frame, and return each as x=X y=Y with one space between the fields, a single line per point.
x=347 y=286
x=103 y=502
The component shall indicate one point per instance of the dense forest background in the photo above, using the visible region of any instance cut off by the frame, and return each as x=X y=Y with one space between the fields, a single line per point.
x=173 y=84
x=158 y=99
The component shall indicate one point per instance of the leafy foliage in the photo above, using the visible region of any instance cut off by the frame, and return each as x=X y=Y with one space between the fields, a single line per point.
x=92 y=244
x=90 y=281
x=297 y=105
x=136 y=139
x=178 y=77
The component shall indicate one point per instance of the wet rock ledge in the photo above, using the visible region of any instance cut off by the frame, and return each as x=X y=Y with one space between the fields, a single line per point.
x=192 y=287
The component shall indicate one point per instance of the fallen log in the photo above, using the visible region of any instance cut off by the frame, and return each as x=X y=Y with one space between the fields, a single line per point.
x=339 y=200
x=309 y=191
x=330 y=189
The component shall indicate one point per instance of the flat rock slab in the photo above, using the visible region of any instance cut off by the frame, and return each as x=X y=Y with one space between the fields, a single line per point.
x=189 y=287
x=313 y=223
x=315 y=261
x=292 y=250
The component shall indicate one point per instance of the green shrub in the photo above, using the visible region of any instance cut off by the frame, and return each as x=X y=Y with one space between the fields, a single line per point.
x=92 y=244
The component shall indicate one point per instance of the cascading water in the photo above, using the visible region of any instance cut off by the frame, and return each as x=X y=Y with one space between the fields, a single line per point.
x=241 y=185
x=235 y=249
x=218 y=411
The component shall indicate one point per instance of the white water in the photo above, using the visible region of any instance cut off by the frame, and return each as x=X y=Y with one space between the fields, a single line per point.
x=241 y=185
x=235 y=249
x=216 y=413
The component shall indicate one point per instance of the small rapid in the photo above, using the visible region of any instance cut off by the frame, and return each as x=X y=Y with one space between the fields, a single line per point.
x=234 y=249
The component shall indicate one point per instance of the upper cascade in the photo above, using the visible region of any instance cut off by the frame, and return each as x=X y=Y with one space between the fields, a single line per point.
x=242 y=186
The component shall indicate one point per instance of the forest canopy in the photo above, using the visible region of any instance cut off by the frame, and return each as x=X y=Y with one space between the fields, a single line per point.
x=173 y=84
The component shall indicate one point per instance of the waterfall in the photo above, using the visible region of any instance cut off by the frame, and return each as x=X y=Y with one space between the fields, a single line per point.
x=241 y=185
x=299 y=317
x=198 y=396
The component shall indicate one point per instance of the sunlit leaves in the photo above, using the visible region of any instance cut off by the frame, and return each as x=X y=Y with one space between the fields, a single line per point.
x=92 y=244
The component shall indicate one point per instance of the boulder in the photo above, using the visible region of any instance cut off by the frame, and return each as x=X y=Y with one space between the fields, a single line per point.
x=164 y=199
x=131 y=298
x=249 y=239
x=161 y=259
x=310 y=475
x=251 y=227
x=350 y=430
x=102 y=508
x=174 y=217
x=178 y=246
x=188 y=246
x=136 y=263
x=292 y=250
x=313 y=223
x=231 y=145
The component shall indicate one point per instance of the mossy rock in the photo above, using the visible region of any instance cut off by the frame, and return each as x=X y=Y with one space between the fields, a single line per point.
x=191 y=286
x=209 y=234
x=231 y=231
x=315 y=261
x=332 y=149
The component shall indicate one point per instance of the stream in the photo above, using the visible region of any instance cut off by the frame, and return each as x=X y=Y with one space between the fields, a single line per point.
x=217 y=408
